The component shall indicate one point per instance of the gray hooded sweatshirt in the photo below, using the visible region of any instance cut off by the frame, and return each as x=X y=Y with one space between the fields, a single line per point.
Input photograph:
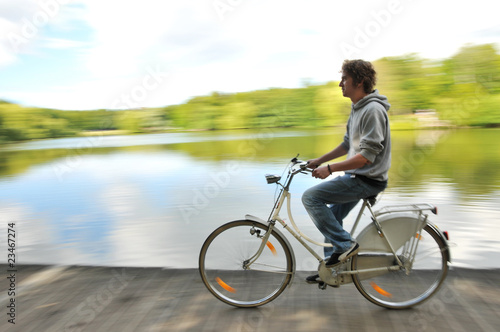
x=368 y=133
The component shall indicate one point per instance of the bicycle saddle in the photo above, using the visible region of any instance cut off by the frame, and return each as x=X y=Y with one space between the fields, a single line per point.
x=372 y=199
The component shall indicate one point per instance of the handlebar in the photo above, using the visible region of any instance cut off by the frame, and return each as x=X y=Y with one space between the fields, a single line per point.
x=302 y=164
x=272 y=178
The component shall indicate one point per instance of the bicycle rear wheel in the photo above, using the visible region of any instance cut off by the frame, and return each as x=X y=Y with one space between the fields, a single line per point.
x=223 y=264
x=407 y=286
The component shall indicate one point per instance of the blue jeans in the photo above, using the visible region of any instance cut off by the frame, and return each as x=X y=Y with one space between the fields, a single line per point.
x=329 y=202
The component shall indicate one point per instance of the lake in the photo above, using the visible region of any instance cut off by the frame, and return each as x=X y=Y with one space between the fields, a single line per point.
x=151 y=200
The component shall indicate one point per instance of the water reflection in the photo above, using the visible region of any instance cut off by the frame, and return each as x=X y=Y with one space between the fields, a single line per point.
x=151 y=200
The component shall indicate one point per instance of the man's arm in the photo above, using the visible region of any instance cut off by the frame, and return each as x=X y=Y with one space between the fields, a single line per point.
x=339 y=151
x=356 y=161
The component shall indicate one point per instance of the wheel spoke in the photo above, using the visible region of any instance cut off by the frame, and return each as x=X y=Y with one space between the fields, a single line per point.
x=229 y=254
x=399 y=289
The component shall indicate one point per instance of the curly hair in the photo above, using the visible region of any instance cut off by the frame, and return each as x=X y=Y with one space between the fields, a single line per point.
x=361 y=71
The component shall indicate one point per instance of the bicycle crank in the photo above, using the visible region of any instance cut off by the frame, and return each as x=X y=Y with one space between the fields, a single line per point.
x=329 y=276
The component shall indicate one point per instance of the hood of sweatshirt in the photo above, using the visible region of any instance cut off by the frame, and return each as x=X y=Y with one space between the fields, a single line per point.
x=374 y=96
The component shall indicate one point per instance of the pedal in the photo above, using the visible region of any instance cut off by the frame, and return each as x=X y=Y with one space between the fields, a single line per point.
x=322 y=285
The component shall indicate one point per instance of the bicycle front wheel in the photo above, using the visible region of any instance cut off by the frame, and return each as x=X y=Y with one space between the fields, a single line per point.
x=239 y=269
x=406 y=286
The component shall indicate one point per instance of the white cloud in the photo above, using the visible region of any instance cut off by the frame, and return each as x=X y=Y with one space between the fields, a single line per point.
x=7 y=54
x=60 y=43
x=126 y=34
x=254 y=45
x=22 y=25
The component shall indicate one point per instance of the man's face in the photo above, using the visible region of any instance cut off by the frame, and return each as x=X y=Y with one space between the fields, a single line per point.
x=347 y=85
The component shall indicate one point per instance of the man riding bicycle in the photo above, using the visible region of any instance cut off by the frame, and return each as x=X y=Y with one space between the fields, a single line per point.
x=367 y=144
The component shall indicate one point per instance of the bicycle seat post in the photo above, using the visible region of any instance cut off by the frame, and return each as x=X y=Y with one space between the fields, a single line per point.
x=360 y=213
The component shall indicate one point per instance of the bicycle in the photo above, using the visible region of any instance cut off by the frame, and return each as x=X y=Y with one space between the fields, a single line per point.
x=403 y=257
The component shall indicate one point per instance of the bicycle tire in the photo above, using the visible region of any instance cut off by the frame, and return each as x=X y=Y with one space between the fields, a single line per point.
x=222 y=257
x=397 y=289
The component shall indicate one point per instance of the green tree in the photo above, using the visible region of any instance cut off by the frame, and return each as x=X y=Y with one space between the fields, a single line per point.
x=409 y=81
x=130 y=121
x=236 y=115
x=471 y=99
x=331 y=107
x=478 y=64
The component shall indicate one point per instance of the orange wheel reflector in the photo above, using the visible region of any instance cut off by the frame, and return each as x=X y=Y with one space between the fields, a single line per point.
x=380 y=290
x=272 y=248
x=419 y=237
x=225 y=286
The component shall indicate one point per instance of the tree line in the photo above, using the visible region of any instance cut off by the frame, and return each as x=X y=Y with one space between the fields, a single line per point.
x=463 y=90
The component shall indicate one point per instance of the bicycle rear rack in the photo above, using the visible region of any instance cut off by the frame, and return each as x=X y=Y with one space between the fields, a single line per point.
x=418 y=208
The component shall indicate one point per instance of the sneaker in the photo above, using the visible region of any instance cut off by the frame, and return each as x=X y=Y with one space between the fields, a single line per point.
x=314 y=279
x=353 y=250
x=333 y=260
x=338 y=258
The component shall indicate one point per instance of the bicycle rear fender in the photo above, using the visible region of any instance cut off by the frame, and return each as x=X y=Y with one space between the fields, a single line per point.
x=262 y=221
x=398 y=228
x=443 y=238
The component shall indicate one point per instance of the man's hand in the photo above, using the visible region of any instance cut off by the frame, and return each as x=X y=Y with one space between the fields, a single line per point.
x=313 y=163
x=321 y=172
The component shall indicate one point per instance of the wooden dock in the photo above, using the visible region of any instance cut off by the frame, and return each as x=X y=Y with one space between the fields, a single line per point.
x=77 y=298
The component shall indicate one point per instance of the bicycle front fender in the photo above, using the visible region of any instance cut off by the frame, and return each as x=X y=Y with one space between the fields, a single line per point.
x=262 y=221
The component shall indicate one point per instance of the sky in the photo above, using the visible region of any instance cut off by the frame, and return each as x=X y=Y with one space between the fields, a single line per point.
x=121 y=54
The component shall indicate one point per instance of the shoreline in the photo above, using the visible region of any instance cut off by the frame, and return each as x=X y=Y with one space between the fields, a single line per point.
x=396 y=125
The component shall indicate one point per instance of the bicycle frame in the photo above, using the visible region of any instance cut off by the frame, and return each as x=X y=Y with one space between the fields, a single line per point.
x=372 y=238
